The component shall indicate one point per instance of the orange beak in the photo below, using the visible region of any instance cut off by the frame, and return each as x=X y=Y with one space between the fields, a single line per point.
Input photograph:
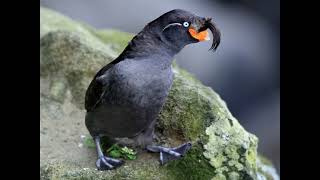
x=201 y=36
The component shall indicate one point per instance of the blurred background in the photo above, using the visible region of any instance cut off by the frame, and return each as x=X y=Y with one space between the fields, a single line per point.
x=245 y=70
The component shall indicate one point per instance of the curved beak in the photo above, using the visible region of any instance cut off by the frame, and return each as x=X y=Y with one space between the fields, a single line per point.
x=199 y=31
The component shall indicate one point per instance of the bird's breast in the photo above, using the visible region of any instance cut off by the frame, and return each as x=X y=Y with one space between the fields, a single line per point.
x=141 y=84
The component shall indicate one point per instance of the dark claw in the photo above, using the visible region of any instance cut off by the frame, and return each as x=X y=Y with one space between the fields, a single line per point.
x=106 y=163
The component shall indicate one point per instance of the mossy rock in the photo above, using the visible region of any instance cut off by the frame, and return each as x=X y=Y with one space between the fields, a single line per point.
x=71 y=53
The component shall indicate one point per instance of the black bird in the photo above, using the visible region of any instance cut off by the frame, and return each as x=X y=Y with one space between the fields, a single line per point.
x=125 y=96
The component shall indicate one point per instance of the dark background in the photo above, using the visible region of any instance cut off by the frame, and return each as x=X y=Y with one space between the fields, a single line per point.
x=245 y=68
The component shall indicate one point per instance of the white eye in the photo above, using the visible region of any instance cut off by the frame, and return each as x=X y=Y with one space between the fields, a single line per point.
x=186 y=24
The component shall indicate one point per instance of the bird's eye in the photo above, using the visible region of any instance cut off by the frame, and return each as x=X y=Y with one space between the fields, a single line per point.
x=186 y=24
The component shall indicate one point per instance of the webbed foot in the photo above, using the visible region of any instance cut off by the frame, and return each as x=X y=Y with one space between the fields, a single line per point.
x=168 y=154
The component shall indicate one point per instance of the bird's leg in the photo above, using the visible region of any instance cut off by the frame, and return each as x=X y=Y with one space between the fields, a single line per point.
x=167 y=154
x=104 y=162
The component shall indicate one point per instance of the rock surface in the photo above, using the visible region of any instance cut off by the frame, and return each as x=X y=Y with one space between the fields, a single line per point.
x=71 y=53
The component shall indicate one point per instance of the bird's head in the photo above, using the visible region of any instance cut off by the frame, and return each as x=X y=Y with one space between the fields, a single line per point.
x=179 y=28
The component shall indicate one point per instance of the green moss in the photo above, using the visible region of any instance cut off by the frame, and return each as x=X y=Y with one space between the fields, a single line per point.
x=233 y=176
x=231 y=149
x=186 y=110
x=118 y=40
x=219 y=177
x=193 y=166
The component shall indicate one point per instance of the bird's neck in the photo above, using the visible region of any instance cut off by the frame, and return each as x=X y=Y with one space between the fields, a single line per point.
x=148 y=44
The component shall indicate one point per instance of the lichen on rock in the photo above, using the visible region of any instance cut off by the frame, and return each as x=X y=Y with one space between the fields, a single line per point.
x=71 y=53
